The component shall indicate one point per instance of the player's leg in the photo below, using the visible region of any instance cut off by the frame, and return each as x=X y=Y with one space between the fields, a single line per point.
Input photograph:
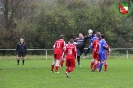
x=23 y=58
x=53 y=63
x=94 y=56
x=97 y=61
x=67 y=67
x=62 y=61
x=78 y=60
x=86 y=52
x=52 y=66
x=95 y=65
x=57 y=65
x=57 y=62
x=92 y=64
x=78 y=56
x=103 y=59
x=72 y=64
x=18 y=59
x=105 y=66
x=81 y=51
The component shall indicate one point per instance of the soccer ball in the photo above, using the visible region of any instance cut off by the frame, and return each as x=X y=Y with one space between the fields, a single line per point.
x=90 y=31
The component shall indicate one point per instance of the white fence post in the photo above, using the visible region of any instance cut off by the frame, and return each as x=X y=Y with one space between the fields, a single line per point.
x=127 y=53
x=46 y=54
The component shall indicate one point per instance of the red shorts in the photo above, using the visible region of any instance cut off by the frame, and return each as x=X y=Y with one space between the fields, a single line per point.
x=98 y=57
x=57 y=56
x=70 y=62
x=94 y=55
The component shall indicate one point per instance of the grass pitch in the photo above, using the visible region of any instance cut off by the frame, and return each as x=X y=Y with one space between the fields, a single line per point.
x=36 y=74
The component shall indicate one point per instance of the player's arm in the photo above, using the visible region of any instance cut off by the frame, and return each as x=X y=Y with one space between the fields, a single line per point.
x=64 y=45
x=25 y=48
x=54 y=45
x=66 y=50
x=75 y=42
x=93 y=44
x=109 y=50
x=105 y=46
x=85 y=38
x=75 y=52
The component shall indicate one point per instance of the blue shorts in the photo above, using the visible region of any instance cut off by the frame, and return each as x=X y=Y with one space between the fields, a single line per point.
x=102 y=56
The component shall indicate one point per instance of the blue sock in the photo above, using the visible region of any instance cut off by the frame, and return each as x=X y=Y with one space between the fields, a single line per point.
x=100 y=65
x=100 y=69
x=78 y=62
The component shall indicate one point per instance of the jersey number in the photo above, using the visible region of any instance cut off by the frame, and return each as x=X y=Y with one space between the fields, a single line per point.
x=58 y=45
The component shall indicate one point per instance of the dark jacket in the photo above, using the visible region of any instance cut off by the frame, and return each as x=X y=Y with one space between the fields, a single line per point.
x=21 y=47
x=81 y=42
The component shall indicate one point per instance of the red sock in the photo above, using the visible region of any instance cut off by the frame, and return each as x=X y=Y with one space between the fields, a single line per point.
x=71 y=69
x=92 y=64
x=52 y=67
x=105 y=67
x=56 y=68
x=67 y=69
x=95 y=66
x=61 y=63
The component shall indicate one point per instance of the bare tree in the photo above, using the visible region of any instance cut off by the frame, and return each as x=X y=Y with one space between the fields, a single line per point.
x=15 y=9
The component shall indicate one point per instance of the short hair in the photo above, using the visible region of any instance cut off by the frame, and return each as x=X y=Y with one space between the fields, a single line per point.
x=102 y=36
x=61 y=36
x=80 y=33
x=98 y=34
x=71 y=41
x=21 y=39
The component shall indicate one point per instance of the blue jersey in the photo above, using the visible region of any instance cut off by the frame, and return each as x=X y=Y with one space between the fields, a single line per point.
x=92 y=38
x=102 y=44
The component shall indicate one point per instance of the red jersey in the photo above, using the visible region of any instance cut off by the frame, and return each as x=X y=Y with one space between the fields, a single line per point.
x=70 y=51
x=58 y=46
x=95 y=45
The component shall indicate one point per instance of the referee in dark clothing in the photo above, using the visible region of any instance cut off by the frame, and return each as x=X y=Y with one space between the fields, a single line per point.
x=80 y=44
x=21 y=50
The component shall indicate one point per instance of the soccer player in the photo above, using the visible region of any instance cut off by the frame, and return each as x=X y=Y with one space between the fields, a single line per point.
x=70 y=52
x=92 y=37
x=80 y=44
x=102 y=52
x=21 y=50
x=95 y=50
x=58 y=51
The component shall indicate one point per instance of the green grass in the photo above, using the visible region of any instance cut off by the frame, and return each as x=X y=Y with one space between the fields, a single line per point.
x=36 y=74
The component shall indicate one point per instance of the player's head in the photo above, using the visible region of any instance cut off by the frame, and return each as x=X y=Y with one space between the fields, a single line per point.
x=98 y=34
x=81 y=35
x=61 y=36
x=21 y=40
x=71 y=41
x=102 y=36
x=90 y=31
